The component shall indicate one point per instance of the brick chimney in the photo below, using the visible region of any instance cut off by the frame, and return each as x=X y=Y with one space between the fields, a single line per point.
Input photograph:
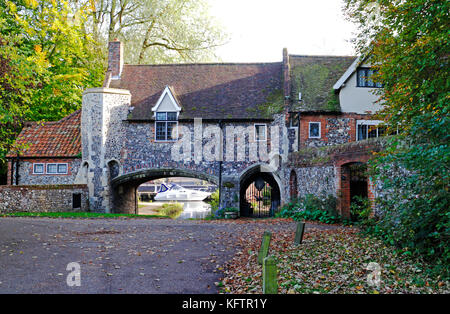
x=286 y=84
x=286 y=76
x=115 y=59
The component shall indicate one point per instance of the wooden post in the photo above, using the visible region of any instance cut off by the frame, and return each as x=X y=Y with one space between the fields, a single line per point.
x=264 y=249
x=299 y=233
x=270 y=283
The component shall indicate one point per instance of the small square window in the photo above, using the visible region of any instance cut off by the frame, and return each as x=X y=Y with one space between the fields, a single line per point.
x=260 y=132
x=171 y=116
x=161 y=116
x=314 y=130
x=62 y=168
x=52 y=168
x=38 y=168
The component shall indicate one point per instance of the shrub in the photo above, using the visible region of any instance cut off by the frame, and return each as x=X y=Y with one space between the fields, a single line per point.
x=313 y=208
x=172 y=210
x=214 y=201
x=414 y=215
x=360 y=209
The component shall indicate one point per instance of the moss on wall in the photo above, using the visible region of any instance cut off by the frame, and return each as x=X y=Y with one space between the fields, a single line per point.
x=325 y=155
x=315 y=81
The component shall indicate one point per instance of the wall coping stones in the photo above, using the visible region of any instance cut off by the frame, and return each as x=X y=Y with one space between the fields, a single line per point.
x=44 y=187
x=106 y=90
x=326 y=155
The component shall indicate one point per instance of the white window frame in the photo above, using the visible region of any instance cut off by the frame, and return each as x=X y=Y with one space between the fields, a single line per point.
x=265 y=132
x=368 y=123
x=366 y=78
x=320 y=129
x=57 y=172
x=43 y=168
x=67 y=168
x=166 y=121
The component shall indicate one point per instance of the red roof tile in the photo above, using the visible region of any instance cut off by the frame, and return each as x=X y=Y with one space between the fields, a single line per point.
x=52 y=139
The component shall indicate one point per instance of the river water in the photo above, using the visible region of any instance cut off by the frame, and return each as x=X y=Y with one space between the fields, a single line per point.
x=191 y=209
x=195 y=209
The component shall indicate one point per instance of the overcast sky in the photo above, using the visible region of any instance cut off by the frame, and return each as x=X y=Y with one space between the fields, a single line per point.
x=260 y=29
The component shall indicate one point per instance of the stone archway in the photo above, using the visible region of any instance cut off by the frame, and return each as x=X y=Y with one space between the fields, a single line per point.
x=259 y=193
x=124 y=187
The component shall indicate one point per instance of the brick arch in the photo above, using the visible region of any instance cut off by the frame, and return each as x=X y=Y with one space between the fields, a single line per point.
x=344 y=181
x=354 y=158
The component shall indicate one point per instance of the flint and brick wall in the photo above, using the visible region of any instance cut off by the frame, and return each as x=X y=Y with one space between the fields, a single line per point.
x=42 y=198
x=27 y=177
x=334 y=129
x=321 y=171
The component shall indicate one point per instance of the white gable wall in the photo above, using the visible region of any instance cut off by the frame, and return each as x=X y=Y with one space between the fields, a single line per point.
x=166 y=104
x=358 y=99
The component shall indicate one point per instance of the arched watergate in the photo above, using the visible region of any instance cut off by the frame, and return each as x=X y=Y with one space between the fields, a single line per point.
x=260 y=194
x=124 y=187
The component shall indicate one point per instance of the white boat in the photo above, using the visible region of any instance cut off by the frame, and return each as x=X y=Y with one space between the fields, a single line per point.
x=175 y=192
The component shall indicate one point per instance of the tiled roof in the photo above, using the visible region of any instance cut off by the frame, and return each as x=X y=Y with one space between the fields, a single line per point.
x=50 y=139
x=209 y=91
x=314 y=77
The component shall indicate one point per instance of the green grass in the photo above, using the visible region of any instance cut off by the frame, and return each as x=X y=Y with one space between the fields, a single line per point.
x=77 y=215
x=172 y=210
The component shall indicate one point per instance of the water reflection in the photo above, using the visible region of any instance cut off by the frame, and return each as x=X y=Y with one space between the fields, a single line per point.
x=195 y=209
x=191 y=209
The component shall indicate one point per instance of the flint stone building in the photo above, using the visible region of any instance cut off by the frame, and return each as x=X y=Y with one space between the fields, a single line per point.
x=239 y=126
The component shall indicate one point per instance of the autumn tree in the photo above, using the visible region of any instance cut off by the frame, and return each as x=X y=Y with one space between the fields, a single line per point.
x=46 y=61
x=154 y=31
x=408 y=41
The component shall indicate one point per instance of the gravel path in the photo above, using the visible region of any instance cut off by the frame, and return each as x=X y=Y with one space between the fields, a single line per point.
x=120 y=255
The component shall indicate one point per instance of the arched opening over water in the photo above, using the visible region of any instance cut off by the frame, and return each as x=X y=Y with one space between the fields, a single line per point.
x=126 y=187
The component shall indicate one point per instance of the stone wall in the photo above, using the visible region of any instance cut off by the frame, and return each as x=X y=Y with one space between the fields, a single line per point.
x=312 y=180
x=42 y=198
x=102 y=139
x=27 y=177
x=108 y=136
x=324 y=170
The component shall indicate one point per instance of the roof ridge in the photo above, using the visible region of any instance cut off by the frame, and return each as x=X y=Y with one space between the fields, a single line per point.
x=207 y=64
x=320 y=56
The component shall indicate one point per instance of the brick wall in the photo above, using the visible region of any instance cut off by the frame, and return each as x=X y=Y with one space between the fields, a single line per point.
x=42 y=198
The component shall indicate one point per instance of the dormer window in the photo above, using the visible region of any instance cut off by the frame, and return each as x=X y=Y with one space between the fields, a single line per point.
x=166 y=113
x=166 y=126
x=364 y=78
